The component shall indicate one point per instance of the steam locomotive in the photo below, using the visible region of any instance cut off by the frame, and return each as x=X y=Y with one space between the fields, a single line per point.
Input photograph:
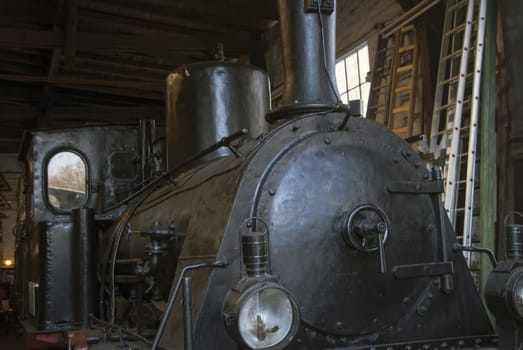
x=323 y=231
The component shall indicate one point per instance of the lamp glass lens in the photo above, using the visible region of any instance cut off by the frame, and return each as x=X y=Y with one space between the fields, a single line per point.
x=266 y=318
x=518 y=297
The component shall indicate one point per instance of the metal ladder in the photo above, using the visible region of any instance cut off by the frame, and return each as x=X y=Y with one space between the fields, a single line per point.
x=457 y=95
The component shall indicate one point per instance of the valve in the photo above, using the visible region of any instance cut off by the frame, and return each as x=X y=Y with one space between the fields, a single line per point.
x=366 y=229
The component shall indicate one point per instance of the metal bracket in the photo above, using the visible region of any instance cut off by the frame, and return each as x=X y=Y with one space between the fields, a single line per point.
x=460 y=248
x=423 y=270
x=234 y=150
x=224 y=142
x=219 y=263
x=428 y=187
x=327 y=6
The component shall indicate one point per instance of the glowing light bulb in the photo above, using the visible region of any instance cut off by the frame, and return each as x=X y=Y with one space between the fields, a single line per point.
x=8 y=262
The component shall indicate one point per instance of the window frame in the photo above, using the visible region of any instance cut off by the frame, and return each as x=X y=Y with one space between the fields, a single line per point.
x=361 y=80
x=45 y=179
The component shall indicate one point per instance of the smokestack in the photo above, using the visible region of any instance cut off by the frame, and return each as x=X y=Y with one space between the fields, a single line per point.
x=308 y=57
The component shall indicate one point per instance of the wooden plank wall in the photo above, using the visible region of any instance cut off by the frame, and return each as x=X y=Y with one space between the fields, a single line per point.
x=509 y=113
x=11 y=169
x=360 y=21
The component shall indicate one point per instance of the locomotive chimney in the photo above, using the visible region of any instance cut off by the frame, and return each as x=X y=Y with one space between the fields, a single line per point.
x=308 y=45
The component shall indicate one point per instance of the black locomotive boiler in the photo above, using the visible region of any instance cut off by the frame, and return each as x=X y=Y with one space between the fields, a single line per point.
x=324 y=231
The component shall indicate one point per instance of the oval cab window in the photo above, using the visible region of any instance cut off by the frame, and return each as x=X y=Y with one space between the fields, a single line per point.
x=66 y=181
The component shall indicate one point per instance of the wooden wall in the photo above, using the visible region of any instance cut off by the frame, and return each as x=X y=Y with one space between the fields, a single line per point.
x=510 y=109
x=360 y=21
x=10 y=170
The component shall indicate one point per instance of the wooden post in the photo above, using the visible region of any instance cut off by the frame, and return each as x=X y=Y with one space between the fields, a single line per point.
x=488 y=179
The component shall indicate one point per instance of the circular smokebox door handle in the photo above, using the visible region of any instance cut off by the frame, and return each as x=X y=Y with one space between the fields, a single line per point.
x=363 y=227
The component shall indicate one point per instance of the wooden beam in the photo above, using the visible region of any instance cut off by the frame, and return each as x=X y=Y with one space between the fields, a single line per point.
x=54 y=62
x=19 y=93
x=24 y=113
x=19 y=113
x=116 y=63
x=167 y=42
x=40 y=12
x=40 y=39
x=256 y=9
x=10 y=145
x=11 y=56
x=488 y=178
x=45 y=106
x=408 y=17
x=7 y=132
x=427 y=83
x=165 y=61
x=123 y=11
x=140 y=85
x=71 y=23
x=243 y=15
x=103 y=72
x=46 y=102
x=406 y=5
x=34 y=12
x=144 y=25
x=134 y=93
x=258 y=50
x=13 y=91
x=14 y=67
x=83 y=98
x=13 y=130
x=115 y=111
x=24 y=38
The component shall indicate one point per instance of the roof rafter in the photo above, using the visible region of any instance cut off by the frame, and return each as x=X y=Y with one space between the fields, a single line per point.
x=46 y=39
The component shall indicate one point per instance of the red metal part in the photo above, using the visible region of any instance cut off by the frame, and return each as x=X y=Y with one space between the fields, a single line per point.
x=72 y=340
x=76 y=341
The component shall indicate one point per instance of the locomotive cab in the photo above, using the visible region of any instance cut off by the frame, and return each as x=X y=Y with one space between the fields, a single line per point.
x=67 y=172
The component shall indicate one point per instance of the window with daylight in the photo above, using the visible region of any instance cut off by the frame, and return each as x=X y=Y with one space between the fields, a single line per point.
x=351 y=73
x=66 y=181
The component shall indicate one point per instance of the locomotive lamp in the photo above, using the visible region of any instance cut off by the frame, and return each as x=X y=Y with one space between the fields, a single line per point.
x=504 y=298
x=261 y=314
x=258 y=312
x=504 y=290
